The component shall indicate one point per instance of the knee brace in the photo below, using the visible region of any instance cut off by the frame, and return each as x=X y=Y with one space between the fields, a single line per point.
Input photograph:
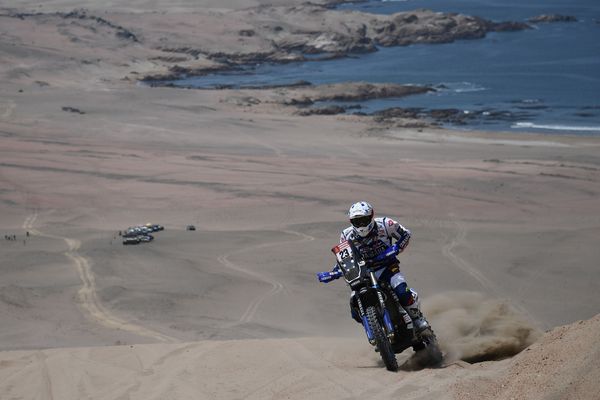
x=405 y=295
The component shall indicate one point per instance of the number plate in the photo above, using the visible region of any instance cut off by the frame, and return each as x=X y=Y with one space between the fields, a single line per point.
x=345 y=258
x=342 y=252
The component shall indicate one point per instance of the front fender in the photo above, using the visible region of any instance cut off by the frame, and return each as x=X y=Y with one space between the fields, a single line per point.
x=368 y=297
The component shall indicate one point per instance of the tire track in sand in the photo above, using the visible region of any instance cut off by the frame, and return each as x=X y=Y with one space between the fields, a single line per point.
x=87 y=294
x=9 y=108
x=463 y=265
x=276 y=286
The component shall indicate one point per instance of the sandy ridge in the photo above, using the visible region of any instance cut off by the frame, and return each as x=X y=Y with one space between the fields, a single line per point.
x=319 y=368
x=448 y=251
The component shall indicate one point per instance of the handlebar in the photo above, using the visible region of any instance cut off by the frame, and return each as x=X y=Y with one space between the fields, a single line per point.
x=393 y=250
x=328 y=276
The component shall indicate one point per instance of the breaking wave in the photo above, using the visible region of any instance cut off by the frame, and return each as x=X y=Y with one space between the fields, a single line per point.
x=460 y=87
x=572 y=128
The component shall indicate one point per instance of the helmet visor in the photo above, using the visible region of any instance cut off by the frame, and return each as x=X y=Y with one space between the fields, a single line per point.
x=361 y=222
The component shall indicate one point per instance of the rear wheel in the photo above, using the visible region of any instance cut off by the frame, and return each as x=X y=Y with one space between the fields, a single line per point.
x=381 y=340
x=429 y=353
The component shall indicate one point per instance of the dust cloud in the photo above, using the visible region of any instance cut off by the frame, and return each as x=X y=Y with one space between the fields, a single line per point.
x=473 y=327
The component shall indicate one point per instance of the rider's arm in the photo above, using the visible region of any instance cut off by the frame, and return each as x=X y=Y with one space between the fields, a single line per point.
x=336 y=268
x=398 y=232
x=335 y=272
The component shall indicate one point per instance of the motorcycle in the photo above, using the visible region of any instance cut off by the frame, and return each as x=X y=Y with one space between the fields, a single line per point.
x=387 y=325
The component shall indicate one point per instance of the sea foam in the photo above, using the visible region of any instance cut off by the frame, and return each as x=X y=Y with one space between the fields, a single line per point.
x=573 y=128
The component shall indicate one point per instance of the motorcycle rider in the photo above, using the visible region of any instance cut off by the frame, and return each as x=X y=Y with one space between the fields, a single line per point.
x=372 y=236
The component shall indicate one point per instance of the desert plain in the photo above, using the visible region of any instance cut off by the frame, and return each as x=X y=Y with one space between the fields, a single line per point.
x=504 y=252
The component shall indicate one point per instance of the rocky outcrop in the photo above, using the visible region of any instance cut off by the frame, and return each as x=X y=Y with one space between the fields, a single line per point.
x=328 y=110
x=507 y=26
x=445 y=116
x=309 y=31
x=427 y=27
x=347 y=92
x=552 y=18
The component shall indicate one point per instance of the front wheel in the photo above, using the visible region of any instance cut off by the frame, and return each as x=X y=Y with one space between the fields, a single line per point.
x=381 y=340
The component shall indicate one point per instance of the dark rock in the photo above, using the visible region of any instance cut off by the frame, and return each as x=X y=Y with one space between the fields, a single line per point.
x=398 y=112
x=73 y=110
x=446 y=114
x=363 y=92
x=247 y=32
x=552 y=18
x=299 y=83
x=305 y=101
x=508 y=26
x=330 y=110
x=438 y=116
x=127 y=35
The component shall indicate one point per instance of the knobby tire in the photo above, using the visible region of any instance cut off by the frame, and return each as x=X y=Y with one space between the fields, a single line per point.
x=381 y=340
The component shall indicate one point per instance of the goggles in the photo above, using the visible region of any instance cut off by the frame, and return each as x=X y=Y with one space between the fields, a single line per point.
x=361 y=222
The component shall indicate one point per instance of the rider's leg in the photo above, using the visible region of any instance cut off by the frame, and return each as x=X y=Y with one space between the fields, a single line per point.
x=409 y=300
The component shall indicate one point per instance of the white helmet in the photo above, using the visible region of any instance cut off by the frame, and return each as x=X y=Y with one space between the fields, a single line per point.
x=361 y=217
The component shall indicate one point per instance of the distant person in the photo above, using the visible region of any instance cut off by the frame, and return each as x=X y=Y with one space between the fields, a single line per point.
x=372 y=236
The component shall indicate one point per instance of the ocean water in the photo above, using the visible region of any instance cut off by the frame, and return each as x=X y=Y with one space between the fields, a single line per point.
x=546 y=79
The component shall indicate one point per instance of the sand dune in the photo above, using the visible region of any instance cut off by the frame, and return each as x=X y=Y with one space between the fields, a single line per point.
x=563 y=364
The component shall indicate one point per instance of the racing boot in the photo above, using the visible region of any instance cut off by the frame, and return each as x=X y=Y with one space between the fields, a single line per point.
x=414 y=311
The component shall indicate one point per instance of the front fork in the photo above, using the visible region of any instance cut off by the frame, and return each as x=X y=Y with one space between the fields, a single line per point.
x=387 y=321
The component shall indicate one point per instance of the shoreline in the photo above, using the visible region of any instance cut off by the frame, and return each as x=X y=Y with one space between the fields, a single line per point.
x=130 y=50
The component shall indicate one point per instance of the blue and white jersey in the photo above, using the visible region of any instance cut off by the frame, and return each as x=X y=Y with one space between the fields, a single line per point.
x=379 y=239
